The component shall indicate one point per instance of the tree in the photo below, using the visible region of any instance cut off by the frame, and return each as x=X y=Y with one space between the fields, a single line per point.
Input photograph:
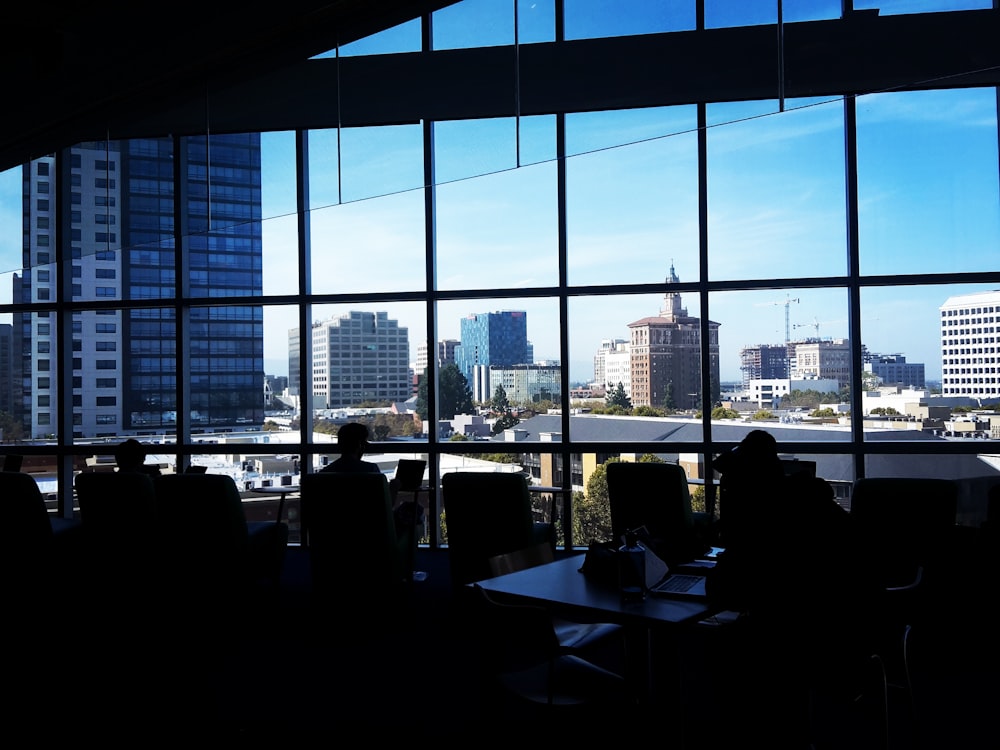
x=500 y=407
x=618 y=397
x=591 y=511
x=870 y=381
x=11 y=429
x=885 y=411
x=762 y=414
x=454 y=394
x=669 y=404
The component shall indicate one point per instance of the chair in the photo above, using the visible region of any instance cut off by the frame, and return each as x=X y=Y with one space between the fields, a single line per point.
x=354 y=552
x=118 y=523
x=905 y=527
x=654 y=495
x=28 y=540
x=522 y=660
x=205 y=538
x=487 y=514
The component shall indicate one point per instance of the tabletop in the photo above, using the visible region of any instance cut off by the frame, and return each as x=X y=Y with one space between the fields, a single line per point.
x=561 y=585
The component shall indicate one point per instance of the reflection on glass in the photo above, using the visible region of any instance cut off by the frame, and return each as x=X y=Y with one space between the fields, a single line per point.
x=632 y=210
x=637 y=355
x=380 y=160
x=776 y=190
x=928 y=193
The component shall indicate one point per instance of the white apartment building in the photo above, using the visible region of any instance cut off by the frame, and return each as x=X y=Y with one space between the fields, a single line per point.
x=600 y=358
x=618 y=369
x=969 y=345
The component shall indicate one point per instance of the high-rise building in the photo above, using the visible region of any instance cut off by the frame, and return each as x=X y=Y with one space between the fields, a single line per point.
x=764 y=362
x=495 y=338
x=969 y=345
x=359 y=357
x=618 y=369
x=122 y=244
x=666 y=356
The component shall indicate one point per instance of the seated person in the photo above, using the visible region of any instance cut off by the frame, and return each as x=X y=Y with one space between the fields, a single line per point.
x=130 y=456
x=352 y=439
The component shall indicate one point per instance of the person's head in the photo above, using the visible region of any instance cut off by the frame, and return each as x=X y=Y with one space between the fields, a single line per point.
x=130 y=454
x=353 y=438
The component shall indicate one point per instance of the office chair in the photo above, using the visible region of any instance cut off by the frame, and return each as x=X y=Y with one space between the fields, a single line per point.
x=654 y=495
x=487 y=514
x=355 y=555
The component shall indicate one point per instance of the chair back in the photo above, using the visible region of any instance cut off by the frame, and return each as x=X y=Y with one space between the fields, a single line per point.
x=27 y=529
x=906 y=523
x=654 y=495
x=116 y=504
x=348 y=525
x=486 y=514
x=410 y=474
x=203 y=529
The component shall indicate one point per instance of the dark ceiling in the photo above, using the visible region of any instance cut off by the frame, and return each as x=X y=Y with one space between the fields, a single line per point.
x=75 y=69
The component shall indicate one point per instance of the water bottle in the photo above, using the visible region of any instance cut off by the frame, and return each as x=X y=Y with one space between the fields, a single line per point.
x=632 y=569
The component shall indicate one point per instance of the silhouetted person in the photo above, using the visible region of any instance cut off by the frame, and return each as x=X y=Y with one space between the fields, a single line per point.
x=794 y=569
x=352 y=439
x=130 y=455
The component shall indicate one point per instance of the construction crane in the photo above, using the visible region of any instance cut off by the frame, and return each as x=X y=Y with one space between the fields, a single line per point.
x=816 y=324
x=787 y=303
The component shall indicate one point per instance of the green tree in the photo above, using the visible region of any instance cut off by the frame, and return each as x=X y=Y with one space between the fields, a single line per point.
x=11 y=428
x=591 y=511
x=885 y=411
x=762 y=414
x=500 y=407
x=669 y=403
x=454 y=394
x=823 y=413
x=618 y=397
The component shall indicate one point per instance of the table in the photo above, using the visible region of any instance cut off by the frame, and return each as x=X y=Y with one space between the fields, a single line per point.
x=560 y=586
x=282 y=490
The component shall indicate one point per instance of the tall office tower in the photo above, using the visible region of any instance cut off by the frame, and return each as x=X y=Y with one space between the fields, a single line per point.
x=969 y=345
x=122 y=225
x=666 y=357
x=607 y=345
x=893 y=369
x=763 y=362
x=357 y=358
x=496 y=338
x=821 y=359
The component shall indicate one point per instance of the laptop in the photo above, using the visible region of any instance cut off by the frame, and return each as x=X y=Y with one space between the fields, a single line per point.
x=680 y=586
x=410 y=473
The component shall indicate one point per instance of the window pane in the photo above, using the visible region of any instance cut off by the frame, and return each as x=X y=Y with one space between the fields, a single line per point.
x=506 y=219
x=650 y=345
x=361 y=363
x=632 y=210
x=589 y=19
x=928 y=195
x=474 y=23
x=776 y=190
x=279 y=228
x=899 y=7
x=786 y=352
x=724 y=13
x=511 y=344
